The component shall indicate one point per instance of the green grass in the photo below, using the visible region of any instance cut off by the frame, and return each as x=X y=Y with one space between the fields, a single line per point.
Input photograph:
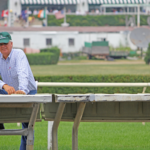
x=97 y=69
x=91 y=136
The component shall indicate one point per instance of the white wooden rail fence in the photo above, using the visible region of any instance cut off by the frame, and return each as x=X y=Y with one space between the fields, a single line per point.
x=82 y=84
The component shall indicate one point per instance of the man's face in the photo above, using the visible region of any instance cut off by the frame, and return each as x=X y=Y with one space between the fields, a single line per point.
x=5 y=48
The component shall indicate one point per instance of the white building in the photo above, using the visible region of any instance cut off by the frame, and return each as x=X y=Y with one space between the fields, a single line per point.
x=68 y=39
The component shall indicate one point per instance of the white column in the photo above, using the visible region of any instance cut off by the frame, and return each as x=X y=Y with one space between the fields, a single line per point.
x=135 y=10
x=9 y=13
x=46 y=16
x=49 y=142
x=65 y=24
x=127 y=9
x=104 y=10
x=27 y=17
x=138 y=16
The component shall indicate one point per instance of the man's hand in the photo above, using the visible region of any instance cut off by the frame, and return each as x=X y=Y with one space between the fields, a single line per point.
x=20 y=92
x=8 y=89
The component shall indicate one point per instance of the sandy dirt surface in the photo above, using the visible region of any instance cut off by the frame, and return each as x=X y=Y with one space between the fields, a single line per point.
x=88 y=62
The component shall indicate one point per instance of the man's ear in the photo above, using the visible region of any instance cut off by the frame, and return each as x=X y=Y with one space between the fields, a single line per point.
x=11 y=44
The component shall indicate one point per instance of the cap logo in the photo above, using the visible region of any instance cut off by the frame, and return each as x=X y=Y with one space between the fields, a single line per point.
x=1 y=37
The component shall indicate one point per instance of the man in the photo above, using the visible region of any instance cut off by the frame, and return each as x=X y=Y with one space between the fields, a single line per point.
x=16 y=74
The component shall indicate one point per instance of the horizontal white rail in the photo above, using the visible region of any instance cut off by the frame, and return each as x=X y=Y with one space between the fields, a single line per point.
x=16 y=98
x=81 y=84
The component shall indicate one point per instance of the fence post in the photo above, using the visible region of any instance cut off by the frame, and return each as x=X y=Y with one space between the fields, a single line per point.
x=50 y=125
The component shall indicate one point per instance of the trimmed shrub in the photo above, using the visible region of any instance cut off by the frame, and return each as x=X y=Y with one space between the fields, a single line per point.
x=54 y=50
x=95 y=78
x=41 y=59
x=47 y=56
x=95 y=20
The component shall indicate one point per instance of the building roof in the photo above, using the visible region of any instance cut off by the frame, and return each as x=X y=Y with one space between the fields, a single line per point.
x=74 y=2
x=54 y=2
x=72 y=29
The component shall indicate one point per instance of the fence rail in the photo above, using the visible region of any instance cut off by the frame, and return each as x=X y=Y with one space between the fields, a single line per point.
x=82 y=84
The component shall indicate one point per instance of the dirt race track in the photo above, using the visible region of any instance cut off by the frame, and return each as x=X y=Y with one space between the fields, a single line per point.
x=88 y=62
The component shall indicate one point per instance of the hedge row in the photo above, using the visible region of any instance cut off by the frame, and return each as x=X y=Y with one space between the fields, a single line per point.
x=53 y=50
x=100 y=78
x=96 y=20
x=46 y=56
x=41 y=59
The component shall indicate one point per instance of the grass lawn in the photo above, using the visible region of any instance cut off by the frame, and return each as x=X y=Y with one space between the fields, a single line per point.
x=92 y=136
x=81 y=68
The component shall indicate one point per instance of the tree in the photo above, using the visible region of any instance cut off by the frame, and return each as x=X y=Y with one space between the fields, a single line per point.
x=147 y=57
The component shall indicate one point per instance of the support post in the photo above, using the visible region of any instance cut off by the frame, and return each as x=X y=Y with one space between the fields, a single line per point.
x=144 y=89
x=138 y=16
x=46 y=16
x=65 y=24
x=128 y=10
x=57 y=120
x=50 y=125
x=76 y=125
x=104 y=10
x=30 y=140
x=135 y=10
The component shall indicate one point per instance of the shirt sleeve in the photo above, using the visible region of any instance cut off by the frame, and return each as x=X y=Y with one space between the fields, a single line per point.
x=22 y=72
x=1 y=82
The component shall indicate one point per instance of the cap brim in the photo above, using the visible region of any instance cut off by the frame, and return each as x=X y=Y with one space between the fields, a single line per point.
x=4 y=40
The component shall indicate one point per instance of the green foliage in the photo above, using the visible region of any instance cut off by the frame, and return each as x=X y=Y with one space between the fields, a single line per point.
x=41 y=59
x=54 y=50
x=121 y=48
x=94 y=78
x=95 y=20
x=46 y=56
x=147 y=56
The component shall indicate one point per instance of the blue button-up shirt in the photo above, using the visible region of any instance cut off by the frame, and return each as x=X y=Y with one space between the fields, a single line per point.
x=16 y=72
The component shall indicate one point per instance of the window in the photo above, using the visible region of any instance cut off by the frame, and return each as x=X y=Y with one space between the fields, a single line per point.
x=26 y=42
x=101 y=39
x=71 y=42
x=48 y=42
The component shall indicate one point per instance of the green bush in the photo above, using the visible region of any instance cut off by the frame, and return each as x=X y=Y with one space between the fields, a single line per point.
x=47 y=56
x=41 y=59
x=95 y=20
x=95 y=78
x=147 y=56
x=54 y=50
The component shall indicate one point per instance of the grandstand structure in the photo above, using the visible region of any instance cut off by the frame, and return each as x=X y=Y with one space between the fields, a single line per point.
x=82 y=5
x=73 y=6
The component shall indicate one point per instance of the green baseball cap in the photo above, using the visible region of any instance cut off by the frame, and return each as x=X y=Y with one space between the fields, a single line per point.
x=4 y=37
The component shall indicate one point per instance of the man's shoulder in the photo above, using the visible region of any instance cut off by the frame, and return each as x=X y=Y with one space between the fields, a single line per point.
x=18 y=51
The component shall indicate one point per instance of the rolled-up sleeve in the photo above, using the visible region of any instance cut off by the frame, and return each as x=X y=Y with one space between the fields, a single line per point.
x=22 y=72
x=1 y=82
